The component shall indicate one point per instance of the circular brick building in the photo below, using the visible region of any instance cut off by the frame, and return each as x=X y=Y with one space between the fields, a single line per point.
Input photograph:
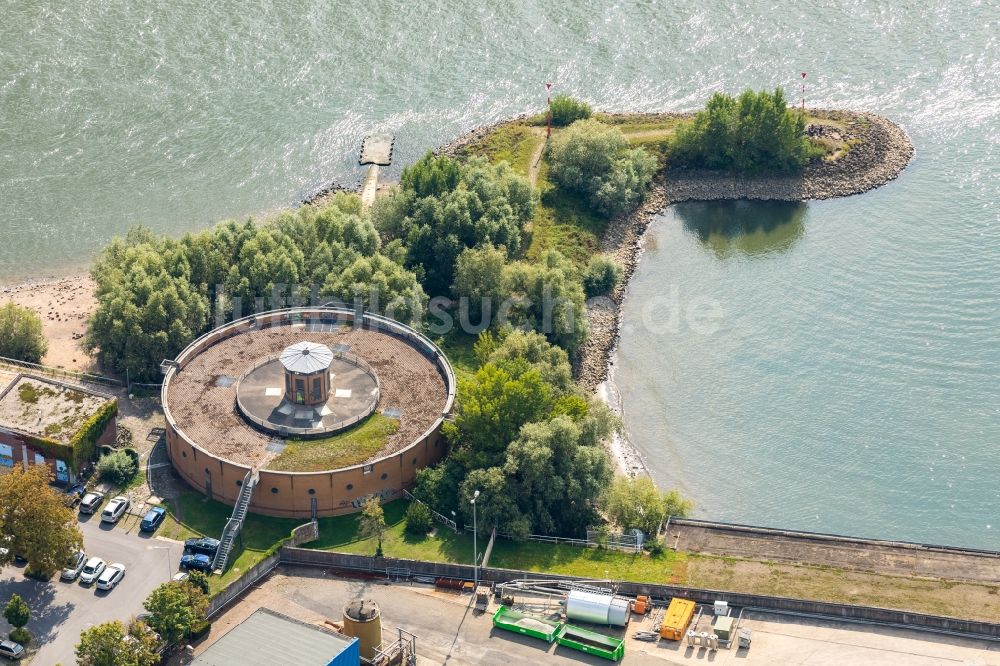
x=323 y=408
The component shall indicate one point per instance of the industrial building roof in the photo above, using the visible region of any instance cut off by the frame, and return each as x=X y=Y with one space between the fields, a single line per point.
x=306 y=357
x=267 y=638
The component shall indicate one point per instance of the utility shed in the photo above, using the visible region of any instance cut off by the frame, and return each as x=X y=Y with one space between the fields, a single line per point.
x=267 y=638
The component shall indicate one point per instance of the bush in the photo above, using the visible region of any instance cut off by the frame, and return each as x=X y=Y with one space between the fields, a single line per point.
x=418 y=519
x=566 y=110
x=654 y=547
x=20 y=635
x=118 y=468
x=21 y=334
x=594 y=161
x=755 y=133
x=199 y=629
x=17 y=611
x=600 y=276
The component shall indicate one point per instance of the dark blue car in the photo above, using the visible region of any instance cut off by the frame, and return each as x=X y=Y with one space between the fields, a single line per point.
x=152 y=519
x=198 y=562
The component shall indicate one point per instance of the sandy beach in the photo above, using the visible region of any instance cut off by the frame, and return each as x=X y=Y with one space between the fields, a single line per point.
x=64 y=304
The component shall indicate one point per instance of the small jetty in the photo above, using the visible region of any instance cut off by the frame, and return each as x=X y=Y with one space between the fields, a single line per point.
x=376 y=151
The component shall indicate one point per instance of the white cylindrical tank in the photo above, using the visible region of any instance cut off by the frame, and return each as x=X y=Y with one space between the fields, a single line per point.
x=692 y=637
x=713 y=642
x=597 y=608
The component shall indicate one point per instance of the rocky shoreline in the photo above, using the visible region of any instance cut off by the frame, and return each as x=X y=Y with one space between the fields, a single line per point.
x=880 y=152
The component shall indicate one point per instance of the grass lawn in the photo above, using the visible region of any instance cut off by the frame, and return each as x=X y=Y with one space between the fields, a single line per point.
x=191 y=515
x=563 y=222
x=458 y=347
x=514 y=144
x=350 y=447
x=340 y=534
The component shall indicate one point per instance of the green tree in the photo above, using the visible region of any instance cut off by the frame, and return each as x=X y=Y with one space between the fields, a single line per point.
x=419 y=520
x=755 y=133
x=372 y=525
x=513 y=344
x=556 y=472
x=638 y=503
x=174 y=607
x=600 y=276
x=117 y=467
x=16 y=611
x=381 y=285
x=114 y=644
x=444 y=207
x=550 y=299
x=634 y=503
x=566 y=110
x=494 y=404
x=595 y=161
x=147 y=309
x=199 y=580
x=21 y=334
x=479 y=280
x=34 y=521
x=676 y=505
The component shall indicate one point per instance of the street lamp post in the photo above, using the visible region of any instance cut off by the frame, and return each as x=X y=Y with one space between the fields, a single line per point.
x=475 y=546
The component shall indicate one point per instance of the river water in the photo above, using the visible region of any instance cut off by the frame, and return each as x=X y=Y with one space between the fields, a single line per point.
x=852 y=382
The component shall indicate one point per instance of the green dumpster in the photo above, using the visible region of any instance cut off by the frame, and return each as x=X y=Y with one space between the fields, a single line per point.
x=529 y=625
x=591 y=642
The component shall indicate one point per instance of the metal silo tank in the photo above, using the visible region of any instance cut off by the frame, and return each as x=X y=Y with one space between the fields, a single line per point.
x=363 y=620
x=597 y=608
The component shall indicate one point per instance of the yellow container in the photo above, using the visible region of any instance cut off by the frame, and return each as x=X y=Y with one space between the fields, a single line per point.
x=676 y=619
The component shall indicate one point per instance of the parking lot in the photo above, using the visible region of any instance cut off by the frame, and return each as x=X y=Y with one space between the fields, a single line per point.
x=61 y=610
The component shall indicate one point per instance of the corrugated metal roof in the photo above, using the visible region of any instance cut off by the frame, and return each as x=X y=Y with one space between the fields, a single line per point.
x=267 y=638
x=306 y=357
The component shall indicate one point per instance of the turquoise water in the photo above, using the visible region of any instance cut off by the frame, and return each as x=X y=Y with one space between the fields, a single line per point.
x=854 y=372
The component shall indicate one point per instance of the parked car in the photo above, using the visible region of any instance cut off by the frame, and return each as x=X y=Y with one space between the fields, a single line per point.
x=111 y=576
x=11 y=650
x=74 y=566
x=74 y=492
x=181 y=576
x=152 y=519
x=199 y=562
x=202 y=546
x=94 y=567
x=115 y=509
x=91 y=501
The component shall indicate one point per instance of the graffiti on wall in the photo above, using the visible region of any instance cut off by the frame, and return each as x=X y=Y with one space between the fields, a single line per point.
x=382 y=495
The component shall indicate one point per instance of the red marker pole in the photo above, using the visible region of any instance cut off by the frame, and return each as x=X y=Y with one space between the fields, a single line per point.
x=803 y=92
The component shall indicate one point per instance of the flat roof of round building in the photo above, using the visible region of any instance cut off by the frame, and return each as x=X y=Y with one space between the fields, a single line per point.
x=201 y=397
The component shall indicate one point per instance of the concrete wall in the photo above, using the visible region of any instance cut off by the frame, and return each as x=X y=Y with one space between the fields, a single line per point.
x=289 y=494
x=915 y=621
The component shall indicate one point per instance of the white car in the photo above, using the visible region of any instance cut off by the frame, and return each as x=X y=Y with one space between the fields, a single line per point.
x=94 y=567
x=74 y=566
x=111 y=576
x=115 y=509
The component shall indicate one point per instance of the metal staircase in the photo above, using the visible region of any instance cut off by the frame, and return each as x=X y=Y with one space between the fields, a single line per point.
x=235 y=523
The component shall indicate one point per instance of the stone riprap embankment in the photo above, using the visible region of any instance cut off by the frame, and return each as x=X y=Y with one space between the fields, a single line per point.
x=879 y=151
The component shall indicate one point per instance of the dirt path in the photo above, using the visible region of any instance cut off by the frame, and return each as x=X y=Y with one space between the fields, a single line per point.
x=536 y=157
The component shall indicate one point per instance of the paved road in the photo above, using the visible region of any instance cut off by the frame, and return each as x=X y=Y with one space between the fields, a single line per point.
x=60 y=610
